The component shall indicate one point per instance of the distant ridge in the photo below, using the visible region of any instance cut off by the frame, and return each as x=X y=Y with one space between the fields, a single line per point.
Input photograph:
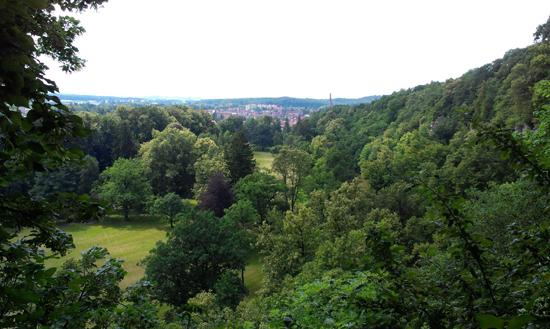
x=305 y=103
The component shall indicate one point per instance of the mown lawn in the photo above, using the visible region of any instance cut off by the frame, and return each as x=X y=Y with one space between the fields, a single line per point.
x=130 y=241
x=264 y=160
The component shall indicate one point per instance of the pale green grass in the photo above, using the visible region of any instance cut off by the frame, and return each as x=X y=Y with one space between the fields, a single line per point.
x=253 y=275
x=264 y=160
x=130 y=241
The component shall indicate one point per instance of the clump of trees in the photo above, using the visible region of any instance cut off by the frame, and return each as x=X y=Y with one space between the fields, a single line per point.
x=199 y=251
x=35 y=130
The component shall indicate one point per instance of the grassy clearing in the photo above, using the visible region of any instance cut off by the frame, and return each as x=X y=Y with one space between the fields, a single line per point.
x=130 y=241
x=264 y=160
x=253 y=275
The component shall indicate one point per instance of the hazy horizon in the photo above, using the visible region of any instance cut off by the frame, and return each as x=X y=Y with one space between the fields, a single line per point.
x=247 y=49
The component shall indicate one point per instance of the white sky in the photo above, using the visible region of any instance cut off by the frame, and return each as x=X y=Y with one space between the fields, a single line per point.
x=300 y=48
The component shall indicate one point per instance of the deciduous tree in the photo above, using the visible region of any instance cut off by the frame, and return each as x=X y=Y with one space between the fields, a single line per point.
x=262 y=190
x=217 y=196
x=169 y=157
x=125 y=185
x=199 y=248
x=293 y=165
x=168 y=205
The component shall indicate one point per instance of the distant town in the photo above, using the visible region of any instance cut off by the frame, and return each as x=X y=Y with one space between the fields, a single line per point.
x=286 y=114
x=286 y=109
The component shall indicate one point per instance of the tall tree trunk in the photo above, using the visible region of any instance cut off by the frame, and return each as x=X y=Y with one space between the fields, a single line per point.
x=126 y=212
x=242 y=276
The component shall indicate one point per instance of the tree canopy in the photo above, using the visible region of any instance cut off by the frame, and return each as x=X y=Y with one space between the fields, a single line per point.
x=169 y=157
x=198 y=250
x=124 y=185
x=239 y=157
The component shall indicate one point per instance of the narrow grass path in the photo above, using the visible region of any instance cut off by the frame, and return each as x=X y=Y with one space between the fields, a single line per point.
x=253 y=275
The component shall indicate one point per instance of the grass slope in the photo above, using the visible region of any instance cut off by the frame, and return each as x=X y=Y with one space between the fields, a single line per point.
x=264 y=160
x=130 y=241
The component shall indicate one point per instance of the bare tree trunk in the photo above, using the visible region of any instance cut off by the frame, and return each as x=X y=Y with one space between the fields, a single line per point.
x=126 y=212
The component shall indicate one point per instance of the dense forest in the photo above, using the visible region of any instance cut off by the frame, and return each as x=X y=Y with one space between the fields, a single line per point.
x=427 y=208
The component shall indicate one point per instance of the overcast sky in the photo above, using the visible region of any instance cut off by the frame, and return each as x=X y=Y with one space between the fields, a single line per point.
x=300 y=48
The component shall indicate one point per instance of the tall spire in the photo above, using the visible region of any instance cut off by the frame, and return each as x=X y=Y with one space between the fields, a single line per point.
x=330 y=99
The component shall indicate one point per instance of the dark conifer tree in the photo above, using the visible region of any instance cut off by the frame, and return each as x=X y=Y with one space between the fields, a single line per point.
x=239 y=157
x=218 y=195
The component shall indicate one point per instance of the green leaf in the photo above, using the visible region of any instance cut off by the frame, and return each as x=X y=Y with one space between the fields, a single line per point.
x=23 y=295
x=39 y=4
x=488 y=321
x=519 y=322
x=49 y=272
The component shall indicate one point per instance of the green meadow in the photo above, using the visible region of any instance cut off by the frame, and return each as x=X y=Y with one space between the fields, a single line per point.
x=132 y=241
x=264 y=160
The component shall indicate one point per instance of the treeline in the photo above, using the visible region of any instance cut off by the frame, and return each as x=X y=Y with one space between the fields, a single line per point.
x=120 y=133
x=305 y=103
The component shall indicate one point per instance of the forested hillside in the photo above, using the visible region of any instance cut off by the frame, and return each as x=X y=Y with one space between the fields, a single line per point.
x=427 y=208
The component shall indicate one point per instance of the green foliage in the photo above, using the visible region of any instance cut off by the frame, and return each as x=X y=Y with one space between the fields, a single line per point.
x=35 y=127
x=120 y=133
x=447 y=225
x=263 y=132
x=338 y=300
x=542 y=34
x=125 y=185
x=239 y=157
x=169 y=157
x=198 y=250
x=77 y=177
x=347 y=206
x=207 y=314
x=75 y=296
x=293 y=165
x=217 y=196
x=229 y=289
x=139 y=310
x=539 y=140
x=285 y=249
x=262 y=190
x=209 y=161
x=168 y=205
x=243 y=213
